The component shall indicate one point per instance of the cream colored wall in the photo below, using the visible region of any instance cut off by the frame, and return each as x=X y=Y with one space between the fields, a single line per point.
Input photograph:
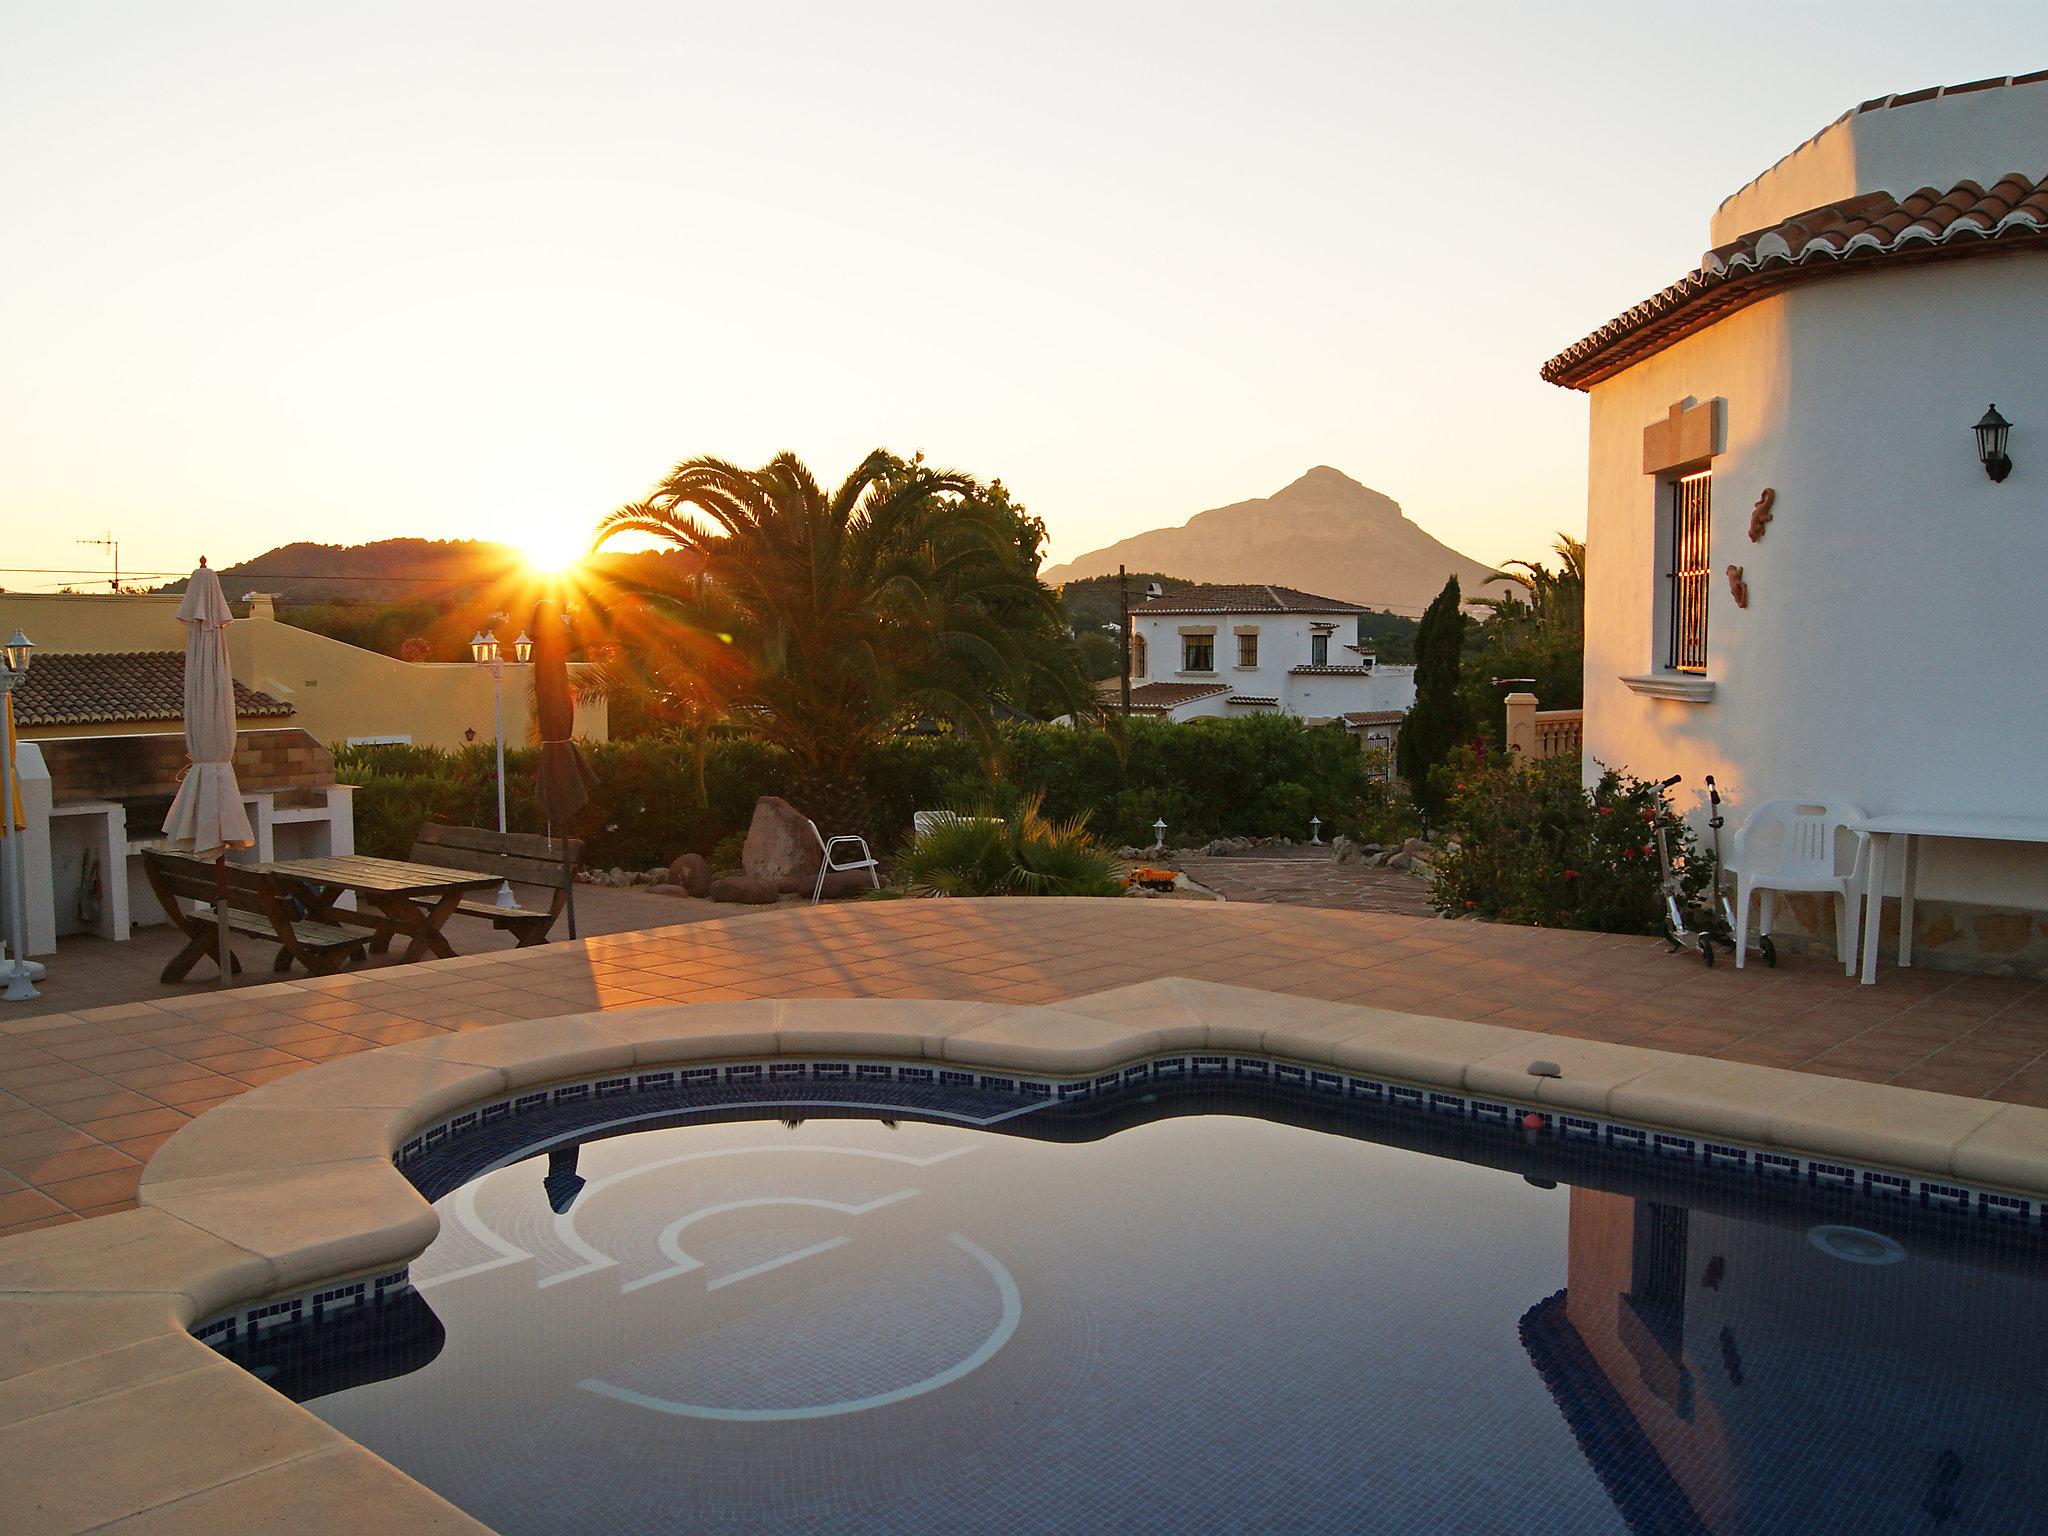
x=338 y=690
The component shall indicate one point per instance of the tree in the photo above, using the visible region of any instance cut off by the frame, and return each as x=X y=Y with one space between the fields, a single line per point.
x=823 y=621
x=1440 y=719
x=1538 y=633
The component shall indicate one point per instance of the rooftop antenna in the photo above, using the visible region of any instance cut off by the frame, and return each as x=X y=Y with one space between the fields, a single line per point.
x=108 y=541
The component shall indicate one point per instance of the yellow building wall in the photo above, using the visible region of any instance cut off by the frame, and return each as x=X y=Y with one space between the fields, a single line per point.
x=340 y=691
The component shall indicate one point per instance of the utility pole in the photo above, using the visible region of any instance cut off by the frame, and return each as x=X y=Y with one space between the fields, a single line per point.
x=108 y=541
x=1123 y=587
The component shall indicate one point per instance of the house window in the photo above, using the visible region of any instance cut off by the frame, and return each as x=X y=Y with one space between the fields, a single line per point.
x=1319 y=650
x=1137 y=655
x=1198 y=653
x=1691 y=501
x=1247 y=650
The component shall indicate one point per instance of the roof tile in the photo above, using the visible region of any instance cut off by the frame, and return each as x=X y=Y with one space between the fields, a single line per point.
x=116 y=688
x=1251 y=597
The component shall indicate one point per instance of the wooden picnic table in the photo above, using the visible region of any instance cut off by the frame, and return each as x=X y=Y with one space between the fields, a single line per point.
x=415 y=900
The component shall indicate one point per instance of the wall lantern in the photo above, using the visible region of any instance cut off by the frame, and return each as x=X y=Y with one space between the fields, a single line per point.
x=1991 y=454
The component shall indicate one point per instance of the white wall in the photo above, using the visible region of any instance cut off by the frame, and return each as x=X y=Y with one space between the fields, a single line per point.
x=1892 y=647
x=1978 y=136
x=1284 y=643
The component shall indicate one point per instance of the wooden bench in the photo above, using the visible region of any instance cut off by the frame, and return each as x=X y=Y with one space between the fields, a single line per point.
x=256 y=907
x=522 y=858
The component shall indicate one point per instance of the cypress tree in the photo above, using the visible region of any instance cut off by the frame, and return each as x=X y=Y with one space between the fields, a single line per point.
x=1439 y=721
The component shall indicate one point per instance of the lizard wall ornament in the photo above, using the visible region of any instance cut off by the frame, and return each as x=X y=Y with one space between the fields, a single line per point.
x=1738 y=587
x=1760 y=514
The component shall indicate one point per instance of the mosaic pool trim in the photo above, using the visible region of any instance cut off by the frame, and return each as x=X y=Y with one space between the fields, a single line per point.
x=439 y=1159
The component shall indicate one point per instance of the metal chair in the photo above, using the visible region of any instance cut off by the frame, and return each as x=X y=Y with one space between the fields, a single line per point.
x=829 y=863
x=1806 y=833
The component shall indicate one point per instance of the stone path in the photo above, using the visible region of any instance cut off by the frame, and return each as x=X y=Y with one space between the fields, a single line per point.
x=87 y=1094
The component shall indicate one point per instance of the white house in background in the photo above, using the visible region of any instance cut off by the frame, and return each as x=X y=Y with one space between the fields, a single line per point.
x=1802 y=578
x=1238 y=650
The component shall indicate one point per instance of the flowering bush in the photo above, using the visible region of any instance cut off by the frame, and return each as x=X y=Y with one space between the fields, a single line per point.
x=1533 y=845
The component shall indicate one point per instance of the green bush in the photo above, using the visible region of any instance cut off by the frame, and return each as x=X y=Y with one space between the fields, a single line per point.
x=1023 y=853
x=1259 y=776
x=1535 y=846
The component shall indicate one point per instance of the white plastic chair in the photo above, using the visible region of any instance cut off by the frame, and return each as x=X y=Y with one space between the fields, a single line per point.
x=1806 y=833
x=830 y=865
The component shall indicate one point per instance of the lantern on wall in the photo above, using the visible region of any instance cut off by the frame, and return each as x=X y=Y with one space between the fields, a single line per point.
x=1991 y=434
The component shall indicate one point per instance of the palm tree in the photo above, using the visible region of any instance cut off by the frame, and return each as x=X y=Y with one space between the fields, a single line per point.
x=1555 y=601
x=827 y=620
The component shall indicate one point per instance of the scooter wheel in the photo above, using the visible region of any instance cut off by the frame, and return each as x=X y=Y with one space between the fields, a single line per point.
x=1706 y=949
x=1767 y=949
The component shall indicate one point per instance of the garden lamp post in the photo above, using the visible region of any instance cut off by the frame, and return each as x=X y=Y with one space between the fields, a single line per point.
x=1159 y=833
x=1315 y=831
x=485 y=650
x=13 y=668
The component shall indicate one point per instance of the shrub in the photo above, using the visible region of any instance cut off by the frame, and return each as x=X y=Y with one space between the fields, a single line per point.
x=1023 y=853
x=1532 y=845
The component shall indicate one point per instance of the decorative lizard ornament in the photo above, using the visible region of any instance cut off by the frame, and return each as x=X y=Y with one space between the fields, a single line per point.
x=1760 y=514
x=1738 y=586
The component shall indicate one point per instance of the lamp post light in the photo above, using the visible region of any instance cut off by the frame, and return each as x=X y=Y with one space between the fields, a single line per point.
x=485 y=650
x=1159 y=833
x=1315 y=831
x=1991 y=430
x=14 y=657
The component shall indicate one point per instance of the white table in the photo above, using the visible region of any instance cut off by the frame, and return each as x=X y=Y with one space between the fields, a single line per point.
x=1910 y=827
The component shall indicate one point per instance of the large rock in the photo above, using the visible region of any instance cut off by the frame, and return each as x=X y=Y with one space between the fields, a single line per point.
x=780 y=844
x=669 y=889
x=692 y=871
x=744 y=890
x=840 y=882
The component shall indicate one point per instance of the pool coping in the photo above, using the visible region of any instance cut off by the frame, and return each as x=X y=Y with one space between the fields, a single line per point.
x=113 y=1415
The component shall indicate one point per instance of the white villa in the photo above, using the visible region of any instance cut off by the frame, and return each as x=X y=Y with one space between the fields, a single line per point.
x=1234 y=650
x=1816 y=559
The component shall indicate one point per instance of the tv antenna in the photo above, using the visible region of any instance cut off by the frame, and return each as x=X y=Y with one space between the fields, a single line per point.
x=107 y=541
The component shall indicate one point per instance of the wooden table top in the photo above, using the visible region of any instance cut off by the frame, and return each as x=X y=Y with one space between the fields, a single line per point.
x=392 y=877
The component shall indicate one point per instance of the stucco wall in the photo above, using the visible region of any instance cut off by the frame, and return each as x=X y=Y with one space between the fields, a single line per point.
x=1978 y=136
x=338 y=690
x=1890 y=649
x=1284 y=643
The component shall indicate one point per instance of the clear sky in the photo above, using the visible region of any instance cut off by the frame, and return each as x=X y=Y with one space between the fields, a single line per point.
x=278 y=271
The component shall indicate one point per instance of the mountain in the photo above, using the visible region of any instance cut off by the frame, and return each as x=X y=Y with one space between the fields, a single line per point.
x=436 y=571
x=1325 y=534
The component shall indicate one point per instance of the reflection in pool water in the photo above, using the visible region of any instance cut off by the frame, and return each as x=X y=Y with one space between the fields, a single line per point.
x=1214 y=1322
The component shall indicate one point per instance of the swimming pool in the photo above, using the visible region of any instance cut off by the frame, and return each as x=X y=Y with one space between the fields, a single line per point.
x=1198 y=1308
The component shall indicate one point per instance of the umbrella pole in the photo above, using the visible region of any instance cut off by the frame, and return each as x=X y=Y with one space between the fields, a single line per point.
x=569 y=882
x=223 y=956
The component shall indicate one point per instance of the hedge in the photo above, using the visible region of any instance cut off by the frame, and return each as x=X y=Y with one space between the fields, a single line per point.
x=1264 y=775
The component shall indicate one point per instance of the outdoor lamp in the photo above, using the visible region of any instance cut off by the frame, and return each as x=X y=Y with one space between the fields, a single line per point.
x=1991 y=454
x=483 y=646
x=17 y=651
x=522 y=649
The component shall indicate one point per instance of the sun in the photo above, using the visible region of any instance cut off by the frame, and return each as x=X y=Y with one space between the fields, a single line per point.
x=552 y=549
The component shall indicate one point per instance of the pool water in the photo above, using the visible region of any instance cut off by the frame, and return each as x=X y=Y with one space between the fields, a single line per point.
x=1207 y=1322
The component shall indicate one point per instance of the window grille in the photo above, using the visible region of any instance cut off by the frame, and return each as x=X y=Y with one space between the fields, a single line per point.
x=1199 y=652
x=1691 y=500
x=1247 y=650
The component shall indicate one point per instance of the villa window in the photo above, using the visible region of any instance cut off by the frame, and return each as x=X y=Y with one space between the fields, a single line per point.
x=1248 y=650
x=1198 y=653
x=1319 y=650
x=1137 y=655
x=1691 y=564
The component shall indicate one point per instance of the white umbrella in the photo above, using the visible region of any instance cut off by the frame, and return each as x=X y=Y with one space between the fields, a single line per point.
x=207 y=818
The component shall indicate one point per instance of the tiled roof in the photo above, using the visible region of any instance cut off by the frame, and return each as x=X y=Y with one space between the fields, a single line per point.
x=1871 y=230
x=1255 y=598
x=115 y=688
x=1158 y=698
x=1254 y=699
x=1358 y=718
x=1306 y=670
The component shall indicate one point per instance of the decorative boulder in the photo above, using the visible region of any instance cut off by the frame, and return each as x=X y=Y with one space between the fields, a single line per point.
x=744 y=890
x=840 y=882
x=668 y=889
x=692 y=871
x=780 y=844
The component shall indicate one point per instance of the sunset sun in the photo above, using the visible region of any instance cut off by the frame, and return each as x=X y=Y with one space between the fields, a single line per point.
x=553 y=547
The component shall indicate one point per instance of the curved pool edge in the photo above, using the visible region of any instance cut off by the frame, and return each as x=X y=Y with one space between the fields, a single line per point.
x=110 y=1408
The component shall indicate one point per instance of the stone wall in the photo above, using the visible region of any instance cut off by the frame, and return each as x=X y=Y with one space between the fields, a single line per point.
x=147 y=767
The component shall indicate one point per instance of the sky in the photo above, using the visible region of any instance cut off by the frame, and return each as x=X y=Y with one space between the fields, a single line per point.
x=284 y=271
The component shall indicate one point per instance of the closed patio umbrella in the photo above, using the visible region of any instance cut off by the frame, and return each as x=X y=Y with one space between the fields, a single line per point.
x=566 y=782
x=207 y=818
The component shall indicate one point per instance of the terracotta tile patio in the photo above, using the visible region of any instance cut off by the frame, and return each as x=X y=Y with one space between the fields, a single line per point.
x=87 y=1094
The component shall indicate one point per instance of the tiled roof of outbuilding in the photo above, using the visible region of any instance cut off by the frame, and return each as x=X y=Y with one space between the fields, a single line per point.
x=1871 y=230
x=1359 y=718
x=1249 y=598
x=116 y=688
x=1158 y=698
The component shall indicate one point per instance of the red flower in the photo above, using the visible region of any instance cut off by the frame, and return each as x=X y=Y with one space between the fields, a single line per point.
x=1606 y=810
x=1571 y=874
x=1471 y=904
